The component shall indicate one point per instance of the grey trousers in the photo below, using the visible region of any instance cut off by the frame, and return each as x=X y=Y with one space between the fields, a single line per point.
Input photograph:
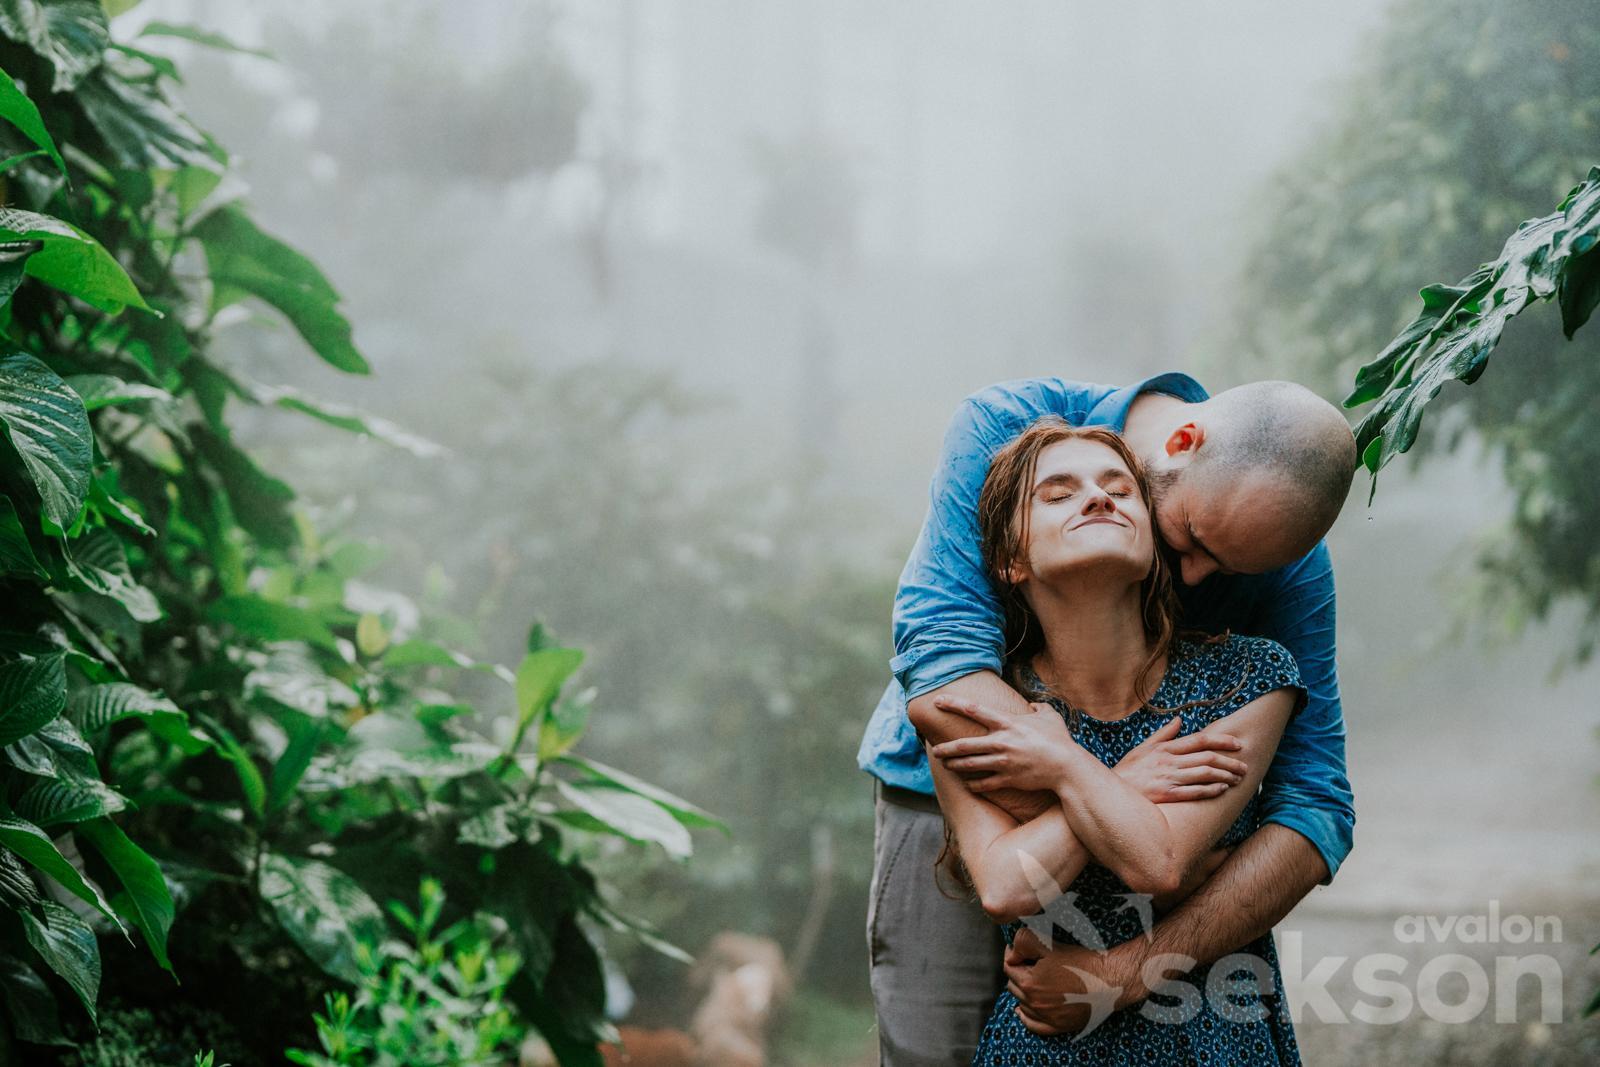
x=936 y=961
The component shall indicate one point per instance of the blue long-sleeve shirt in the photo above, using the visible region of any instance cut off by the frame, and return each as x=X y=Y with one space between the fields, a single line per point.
x=948 y=622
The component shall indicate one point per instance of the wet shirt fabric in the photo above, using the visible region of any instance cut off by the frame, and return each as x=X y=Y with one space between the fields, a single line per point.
x=1245 y=1024
x=947 y=619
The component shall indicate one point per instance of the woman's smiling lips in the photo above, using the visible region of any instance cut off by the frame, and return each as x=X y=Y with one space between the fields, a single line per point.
x=1097 y=518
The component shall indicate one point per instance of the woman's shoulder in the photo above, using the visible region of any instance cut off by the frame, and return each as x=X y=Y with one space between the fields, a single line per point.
x=1236 y=667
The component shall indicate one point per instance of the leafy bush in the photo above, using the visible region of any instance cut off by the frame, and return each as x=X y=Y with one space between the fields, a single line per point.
x=437 y=1002
x=202 y=706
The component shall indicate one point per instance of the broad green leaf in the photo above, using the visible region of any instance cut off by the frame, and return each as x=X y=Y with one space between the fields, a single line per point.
x=385 y=747
x=540 y=676
x=70 y=260
x=630 y=815
x=96 y=707
x=199 y=36
x=49 y=428
x=17 y=888
x=17 y=109
x=350 y=419
x=57 y=802
x=564 y=725
x=16 y=552
x=140 y=127
x=71 y=34
x=33 y=845
x=246 y=261
x=682 y=810
x=99 y=561
x=33 y=690
x=268 y=621
x=323 y=910
x=104 y=390
x=252 y=497
x=30 y=1004
x=68 y=947
x=148 y=901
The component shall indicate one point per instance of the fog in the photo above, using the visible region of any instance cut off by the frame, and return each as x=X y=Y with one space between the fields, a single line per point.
x=824 y=224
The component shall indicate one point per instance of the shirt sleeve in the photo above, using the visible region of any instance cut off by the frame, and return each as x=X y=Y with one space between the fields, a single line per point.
x=1306 y=787
x=947 y=618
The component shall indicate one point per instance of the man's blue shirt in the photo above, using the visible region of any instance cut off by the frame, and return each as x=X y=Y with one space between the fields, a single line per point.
x=947 y=620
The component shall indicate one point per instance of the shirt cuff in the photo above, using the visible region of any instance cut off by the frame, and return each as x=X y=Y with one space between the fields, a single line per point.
x=1331 y=835
x=922 y=670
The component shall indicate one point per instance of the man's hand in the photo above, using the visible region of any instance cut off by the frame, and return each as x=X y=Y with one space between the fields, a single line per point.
x=1067 y=989
x=1167 y=768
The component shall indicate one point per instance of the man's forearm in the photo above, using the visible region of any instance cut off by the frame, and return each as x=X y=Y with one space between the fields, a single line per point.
x=988 y=689
x=1266 y=876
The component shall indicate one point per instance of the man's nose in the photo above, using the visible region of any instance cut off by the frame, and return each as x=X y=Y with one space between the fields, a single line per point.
x=1196 y=568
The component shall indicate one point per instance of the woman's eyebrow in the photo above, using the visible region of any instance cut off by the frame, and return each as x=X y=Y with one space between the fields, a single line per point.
x=1059 y=478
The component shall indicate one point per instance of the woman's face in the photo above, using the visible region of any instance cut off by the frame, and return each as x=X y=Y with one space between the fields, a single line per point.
x=1084 y=510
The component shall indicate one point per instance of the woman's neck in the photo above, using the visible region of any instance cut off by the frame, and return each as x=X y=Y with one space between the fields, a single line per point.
x=1094 y=646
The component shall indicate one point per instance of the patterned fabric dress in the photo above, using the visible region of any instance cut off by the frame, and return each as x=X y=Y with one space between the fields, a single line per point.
x=1196 y=1027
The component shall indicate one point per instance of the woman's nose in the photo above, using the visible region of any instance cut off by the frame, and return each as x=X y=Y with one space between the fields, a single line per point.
x=1099 y=500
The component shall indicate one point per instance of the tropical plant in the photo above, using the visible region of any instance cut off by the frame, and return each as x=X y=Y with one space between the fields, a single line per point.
x=202 y=706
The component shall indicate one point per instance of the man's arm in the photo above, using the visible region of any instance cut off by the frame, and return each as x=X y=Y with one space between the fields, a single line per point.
x=1255 y=887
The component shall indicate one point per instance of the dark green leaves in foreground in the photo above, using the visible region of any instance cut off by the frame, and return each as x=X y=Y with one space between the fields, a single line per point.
x=1460 y=325
x=49 y=428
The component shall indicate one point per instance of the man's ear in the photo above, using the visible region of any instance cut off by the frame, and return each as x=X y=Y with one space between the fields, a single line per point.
x=1185 y=440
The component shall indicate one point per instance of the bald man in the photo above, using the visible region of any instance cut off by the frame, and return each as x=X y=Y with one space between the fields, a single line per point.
x=1245 y=485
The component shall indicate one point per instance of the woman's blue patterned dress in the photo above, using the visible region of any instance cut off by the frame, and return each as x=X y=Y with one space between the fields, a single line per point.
x=1224 y=1027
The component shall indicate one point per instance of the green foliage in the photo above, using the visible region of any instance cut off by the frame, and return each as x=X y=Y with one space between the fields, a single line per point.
x=440 y=999
x=1460 y=325
x=1464 y=119
x=203 y=706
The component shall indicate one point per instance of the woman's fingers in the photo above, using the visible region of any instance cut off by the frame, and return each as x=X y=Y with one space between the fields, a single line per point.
x=1197 y=792
x=1165 y=732
x=1198 y=775
x=963 y=746
x=976 y=764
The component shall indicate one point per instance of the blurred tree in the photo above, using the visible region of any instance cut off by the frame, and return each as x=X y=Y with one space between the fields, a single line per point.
x=1466 y=119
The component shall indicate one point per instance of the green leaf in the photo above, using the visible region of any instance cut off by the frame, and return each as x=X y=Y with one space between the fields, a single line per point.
x=96 y=707
x=106 y=390
x=16 y=551
x=71 y=34
x=290 y=675
x=245 y=260
x=68 y=946
x=17 y=109
x=1461 y=325
x=269 y=621
x=305 y=737
x=540 y=676
x=33 y=690
x=323 y=910
x=564 y=725
x=630 y=815
x=49 y=428
x=199 y=36
x=148 y=902
x=99 y=560
x=251 y=784
x=56 y=802
x=682 y=810
x=70 y=260
x=348 y=418
x=140 y=127
x=30 y=1004
x=33 y=845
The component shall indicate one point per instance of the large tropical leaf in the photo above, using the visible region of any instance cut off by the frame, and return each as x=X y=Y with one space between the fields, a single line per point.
x=199 y=36
x=99 y=561
x=287 y=673
x=49 y=428
x=626 y=813
x=68 y=946
x=105 y=390
x=540 y=677
x=60 y=801
x=322 y=909
x=71 y=34
x=33 y=690
x=682 y=810
x=30 y=1004
x=270 y=621
x=145 y=900
x=96 y=707
x=246 y=261
x=35 y=846
x=70 y=260
x=140 y=127
x=1557 y=255
x=17 y=109
x=16 y=551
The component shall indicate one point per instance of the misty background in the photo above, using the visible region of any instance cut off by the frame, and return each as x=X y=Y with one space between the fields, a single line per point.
x=689 y=290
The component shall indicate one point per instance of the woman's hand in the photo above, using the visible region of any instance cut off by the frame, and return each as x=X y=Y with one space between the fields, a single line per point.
x=1019 y=751
x=1167 y=768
